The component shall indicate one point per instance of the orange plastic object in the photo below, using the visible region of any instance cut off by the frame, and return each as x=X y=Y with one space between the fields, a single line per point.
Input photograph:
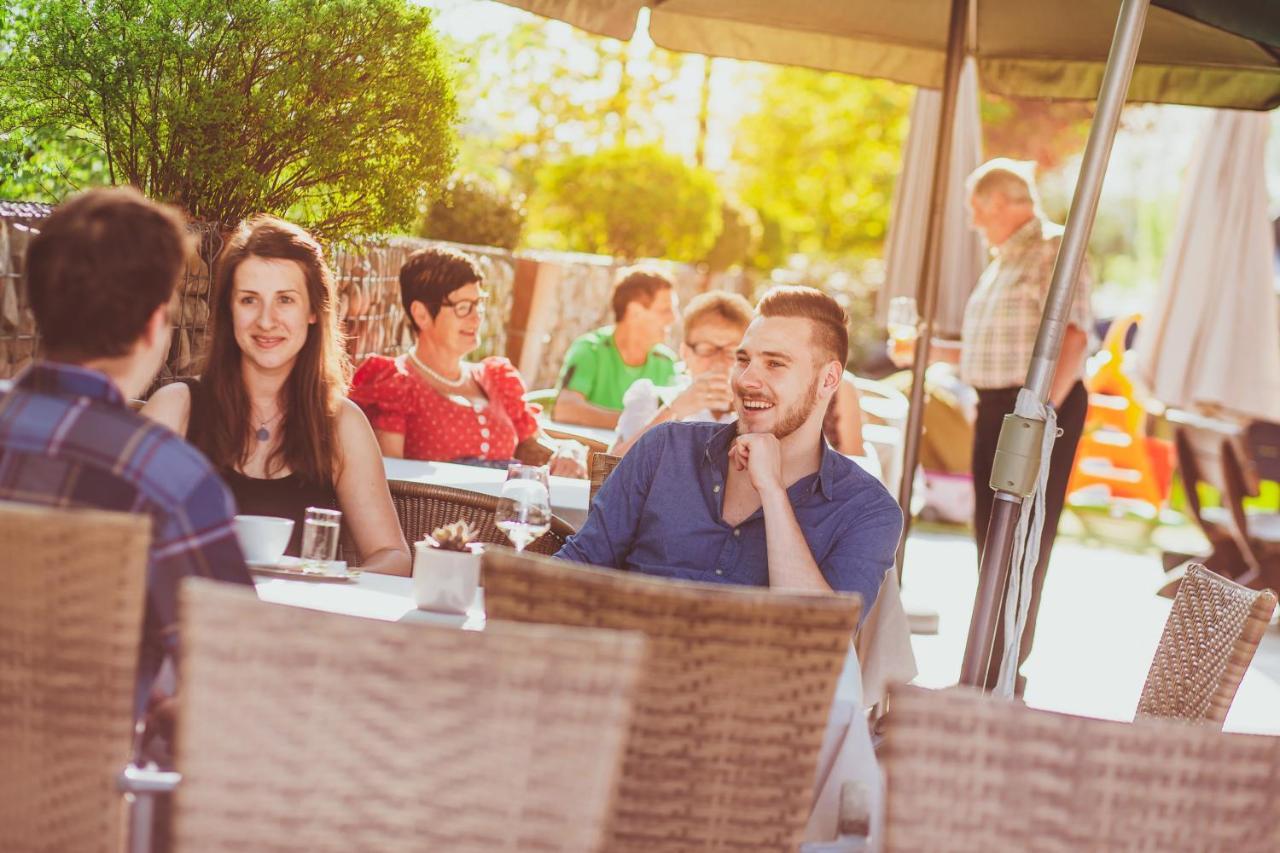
x=1114 y=449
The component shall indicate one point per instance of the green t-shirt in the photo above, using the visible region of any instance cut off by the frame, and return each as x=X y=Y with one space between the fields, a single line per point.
x=594 y=368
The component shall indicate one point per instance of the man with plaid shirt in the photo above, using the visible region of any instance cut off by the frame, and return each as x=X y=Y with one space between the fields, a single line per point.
x=100 y=276
x=1001 y=321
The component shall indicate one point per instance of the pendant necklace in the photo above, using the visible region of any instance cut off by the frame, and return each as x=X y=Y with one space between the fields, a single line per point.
x=448 y=383
x=264 y=434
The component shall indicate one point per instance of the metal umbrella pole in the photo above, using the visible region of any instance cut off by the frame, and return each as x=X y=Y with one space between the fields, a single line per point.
x=1017 y=460
x=927 y=290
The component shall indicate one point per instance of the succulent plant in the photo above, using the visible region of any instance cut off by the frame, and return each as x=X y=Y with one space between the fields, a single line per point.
x=453 y=537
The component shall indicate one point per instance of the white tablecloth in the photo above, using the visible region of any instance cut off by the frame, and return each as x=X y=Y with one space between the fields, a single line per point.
x=846 y=752
x=569 y=496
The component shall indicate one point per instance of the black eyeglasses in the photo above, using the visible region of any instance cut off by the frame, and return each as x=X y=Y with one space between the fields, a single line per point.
x=706 y=349
x=464 y=307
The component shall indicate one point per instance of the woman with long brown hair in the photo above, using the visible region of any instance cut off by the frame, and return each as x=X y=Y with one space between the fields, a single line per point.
x=268 y=409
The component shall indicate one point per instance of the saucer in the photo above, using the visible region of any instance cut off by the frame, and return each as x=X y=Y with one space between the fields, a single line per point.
x=291 y=567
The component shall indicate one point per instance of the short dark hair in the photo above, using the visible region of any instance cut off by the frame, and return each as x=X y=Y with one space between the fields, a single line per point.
x=830 y=323
x=430 y=275
x=103 y=262
x=636 y=284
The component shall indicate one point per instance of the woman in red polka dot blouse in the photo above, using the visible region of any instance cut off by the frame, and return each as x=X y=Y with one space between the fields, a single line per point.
x=431 y=403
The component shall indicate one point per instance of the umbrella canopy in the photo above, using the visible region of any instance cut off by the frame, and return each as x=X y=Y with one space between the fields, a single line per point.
x=963 y=251
x=1198 y=52
x=1197 y=349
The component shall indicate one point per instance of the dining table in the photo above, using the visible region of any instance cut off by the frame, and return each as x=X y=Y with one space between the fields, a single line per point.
x=846 y=754
x=570 y=497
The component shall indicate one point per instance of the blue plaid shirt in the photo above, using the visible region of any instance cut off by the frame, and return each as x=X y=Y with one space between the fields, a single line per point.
x=67 y=439
x=659 y=513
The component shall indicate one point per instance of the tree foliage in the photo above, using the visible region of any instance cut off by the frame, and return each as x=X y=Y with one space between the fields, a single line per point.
x=739 y=236
x=1047 y=132
x=472 y=210
x=627 y=202
x=337 y=112
x=819 y=158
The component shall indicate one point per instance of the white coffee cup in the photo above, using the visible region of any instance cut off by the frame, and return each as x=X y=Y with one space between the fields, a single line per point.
x=263 y=538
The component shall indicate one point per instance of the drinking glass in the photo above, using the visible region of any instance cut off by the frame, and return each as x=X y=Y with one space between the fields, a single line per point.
x=320 y=532
x=524 y=504
x=904 y=327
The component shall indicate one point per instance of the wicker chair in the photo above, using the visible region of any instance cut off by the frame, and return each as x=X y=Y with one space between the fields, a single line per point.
x=423 y=507
x=72 y=590
x=594 y=447
x=355 y=734
x=602 y=466
x=732 y=707
x=1213 y=630
x=970 y=772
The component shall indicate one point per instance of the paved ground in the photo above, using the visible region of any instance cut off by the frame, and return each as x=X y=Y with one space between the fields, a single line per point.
x=1099 y=626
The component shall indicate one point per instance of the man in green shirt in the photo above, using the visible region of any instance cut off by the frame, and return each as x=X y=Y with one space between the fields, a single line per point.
x=601 y=365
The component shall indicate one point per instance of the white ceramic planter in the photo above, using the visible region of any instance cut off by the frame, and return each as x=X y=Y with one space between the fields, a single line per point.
x=444 y=581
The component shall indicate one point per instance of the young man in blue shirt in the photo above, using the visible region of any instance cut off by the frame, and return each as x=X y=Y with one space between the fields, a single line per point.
x=99 y=277
x=764 y=501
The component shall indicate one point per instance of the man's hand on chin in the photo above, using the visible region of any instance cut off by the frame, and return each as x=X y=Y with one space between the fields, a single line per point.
x=760 y=455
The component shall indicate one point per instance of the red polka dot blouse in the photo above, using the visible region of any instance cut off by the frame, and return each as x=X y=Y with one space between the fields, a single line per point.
x=440 y=428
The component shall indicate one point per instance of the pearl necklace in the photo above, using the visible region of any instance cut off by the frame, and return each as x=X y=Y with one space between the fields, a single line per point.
x=448 y=383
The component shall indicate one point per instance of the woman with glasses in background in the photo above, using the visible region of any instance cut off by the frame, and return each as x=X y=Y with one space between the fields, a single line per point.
x=431 y=403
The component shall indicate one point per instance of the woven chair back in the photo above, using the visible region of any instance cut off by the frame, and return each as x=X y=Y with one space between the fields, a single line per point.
x=1213 y=629
x=732 y=707
x=423 y=507
x=72 y=592
x=309 y=731
x=602 y=465
x=967 y=772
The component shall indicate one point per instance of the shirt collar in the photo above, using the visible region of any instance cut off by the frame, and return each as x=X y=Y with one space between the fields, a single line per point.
x=1030 y=229
x=69 y=380
x=716 y=452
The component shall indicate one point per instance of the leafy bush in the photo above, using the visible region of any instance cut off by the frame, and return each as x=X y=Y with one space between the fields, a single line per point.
x=472 y=210
x=627 y=202
x=339 y=113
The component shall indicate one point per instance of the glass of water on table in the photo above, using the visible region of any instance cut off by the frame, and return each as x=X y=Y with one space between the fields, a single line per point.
x=524 y=504
x=321 y=529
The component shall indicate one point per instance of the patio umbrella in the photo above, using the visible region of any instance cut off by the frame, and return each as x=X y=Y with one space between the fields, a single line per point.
x=1197 y=349
x=963 y=251
x=1223 y=53
x=1199 y=52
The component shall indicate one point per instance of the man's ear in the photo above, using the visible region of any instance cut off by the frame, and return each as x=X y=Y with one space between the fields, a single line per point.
x=157 y=325
x=832 y=377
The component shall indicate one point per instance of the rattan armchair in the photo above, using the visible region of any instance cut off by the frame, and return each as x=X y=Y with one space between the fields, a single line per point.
x=1213 y=630
x=309 y=731
x=72 y=590
x=732 y=706
x=423 y=507
x=602 y=465
x=967 y=772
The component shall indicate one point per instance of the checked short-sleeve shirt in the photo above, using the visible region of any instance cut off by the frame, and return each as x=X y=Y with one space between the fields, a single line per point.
x=67 y=439
x=1002 y=317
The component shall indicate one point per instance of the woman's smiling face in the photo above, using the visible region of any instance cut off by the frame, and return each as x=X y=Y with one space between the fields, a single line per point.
x=271 y=311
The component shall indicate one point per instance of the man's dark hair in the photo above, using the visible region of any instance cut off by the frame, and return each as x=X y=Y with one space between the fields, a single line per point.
x=638 y=284
x=431 y=274
x=103 y=262
x=829 y=322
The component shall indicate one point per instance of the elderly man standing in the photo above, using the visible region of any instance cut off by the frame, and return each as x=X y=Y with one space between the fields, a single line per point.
x=1001 y=321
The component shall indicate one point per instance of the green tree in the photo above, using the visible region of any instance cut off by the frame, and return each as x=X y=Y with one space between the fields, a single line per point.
x=627 y=202
x=338 y=113
x=818 y=160
x=738 y=239
x=472 y=210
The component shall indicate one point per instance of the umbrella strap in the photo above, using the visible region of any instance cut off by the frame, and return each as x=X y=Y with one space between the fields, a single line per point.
x=1026 y=543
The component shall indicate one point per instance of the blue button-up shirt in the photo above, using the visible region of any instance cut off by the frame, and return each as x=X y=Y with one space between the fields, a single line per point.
x=67 y=439
x=659 y=513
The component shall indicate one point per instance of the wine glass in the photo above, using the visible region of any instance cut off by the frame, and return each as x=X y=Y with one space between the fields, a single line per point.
x=524 y=504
